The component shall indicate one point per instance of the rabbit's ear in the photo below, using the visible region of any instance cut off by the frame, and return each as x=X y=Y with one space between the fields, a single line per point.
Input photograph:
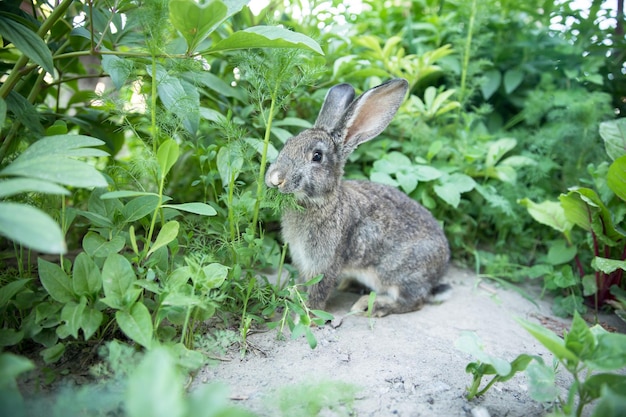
x=370 y=114
x=335 y=104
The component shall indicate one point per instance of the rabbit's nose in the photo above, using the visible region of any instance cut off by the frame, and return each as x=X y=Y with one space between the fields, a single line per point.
x=276 y=179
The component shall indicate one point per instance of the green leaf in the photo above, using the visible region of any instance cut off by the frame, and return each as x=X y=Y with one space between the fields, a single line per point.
x=616 y=177
x=53 y=353
x=31 y=227
x=229 y=162
x=195 y=208
x=498 y=149
x=512 y=79
x=584 y=207
x=12 y=366
x=266 y=37
x=90 y=322
x=119 y=69
x=156 y=388
x=98 y=247
x=55 y=281
x=612 y=403
x=86 y=277
x=124 y=194
x=140 y=207
x=613 y=133
x=51 y=159
x=167 y=155
x=607 y=266
x=29 y=185
x=27 y=41
x=550 y=213
x=560 y=253
x=9 y=290
x=550 y=340
x=196 y=20
x=179 y=97
x=470 y=343
x=136 y=324
x=610 y=352
x=118 y=278
x=492 y=80
x=579 y=339
x=593 y=385
x=542 y=382
x=168 y=233
x=72 y=315
x=452 y=186
x=213 y=275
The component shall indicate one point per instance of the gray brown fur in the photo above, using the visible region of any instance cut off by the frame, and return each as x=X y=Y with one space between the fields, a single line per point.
x=356 y=230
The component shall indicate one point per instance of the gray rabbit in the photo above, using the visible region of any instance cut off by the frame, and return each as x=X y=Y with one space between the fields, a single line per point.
x=356 y=230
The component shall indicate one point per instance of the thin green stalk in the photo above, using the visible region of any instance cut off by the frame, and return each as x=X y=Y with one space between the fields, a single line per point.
x=261 y=178
x=466 y=53
x=153 y=101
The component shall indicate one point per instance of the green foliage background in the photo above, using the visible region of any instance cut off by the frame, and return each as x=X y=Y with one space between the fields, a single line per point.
x=135 y=137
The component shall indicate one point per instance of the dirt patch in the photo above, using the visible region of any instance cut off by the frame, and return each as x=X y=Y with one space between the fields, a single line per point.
x=403 y=365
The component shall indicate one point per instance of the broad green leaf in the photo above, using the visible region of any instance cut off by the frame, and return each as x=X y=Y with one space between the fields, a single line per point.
x=167 y=155
x=470 y=343
x=214 y=275
x=136 y=324
x=452 y=186
x=229 y=162
x=98 y=247
x=86 y=277
x=15 y=186
x=542 y=382
x=498 y=149
x=90 y=322
x=31 y=227
x=55 y=281
x=266 y=37
x=179 y=97
x=9 y=290
x=24 y=112
x=610 y=351
x=550 y=213
x=616 y=177
x=612 y=403
x=119 y=69
x=124 y=194
x=53 y=353
x=12 y=366
x=579 y=339
x=10 y=337
x=196 y=20
x=551 y=341
x=140 y=207
x=63 y=145
x=118 y=278
x=613 y=133
x=607 y=265
x=156 y=388
x=491 y=82
x=72 y=315
x=27 y=41
x=561 y=253
x=168 y=233
x=426 y=172
x=594 y=383
x=512 y=79
x=584 y=207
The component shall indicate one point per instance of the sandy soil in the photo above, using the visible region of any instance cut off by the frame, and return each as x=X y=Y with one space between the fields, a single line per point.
x=404 y=365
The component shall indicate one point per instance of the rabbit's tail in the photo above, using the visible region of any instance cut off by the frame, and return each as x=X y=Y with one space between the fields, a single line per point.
x=440 y=293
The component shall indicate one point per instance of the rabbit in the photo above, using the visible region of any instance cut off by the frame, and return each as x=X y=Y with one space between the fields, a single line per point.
x=355 y=230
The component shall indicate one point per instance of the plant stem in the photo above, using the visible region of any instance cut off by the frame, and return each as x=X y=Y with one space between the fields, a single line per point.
x=261 y=177
x=466 y=53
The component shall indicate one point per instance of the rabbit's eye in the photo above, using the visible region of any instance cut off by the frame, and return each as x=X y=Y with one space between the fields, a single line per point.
x=317 y=156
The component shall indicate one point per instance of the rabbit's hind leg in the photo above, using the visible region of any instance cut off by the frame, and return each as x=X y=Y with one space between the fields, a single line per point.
x=390 y=302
